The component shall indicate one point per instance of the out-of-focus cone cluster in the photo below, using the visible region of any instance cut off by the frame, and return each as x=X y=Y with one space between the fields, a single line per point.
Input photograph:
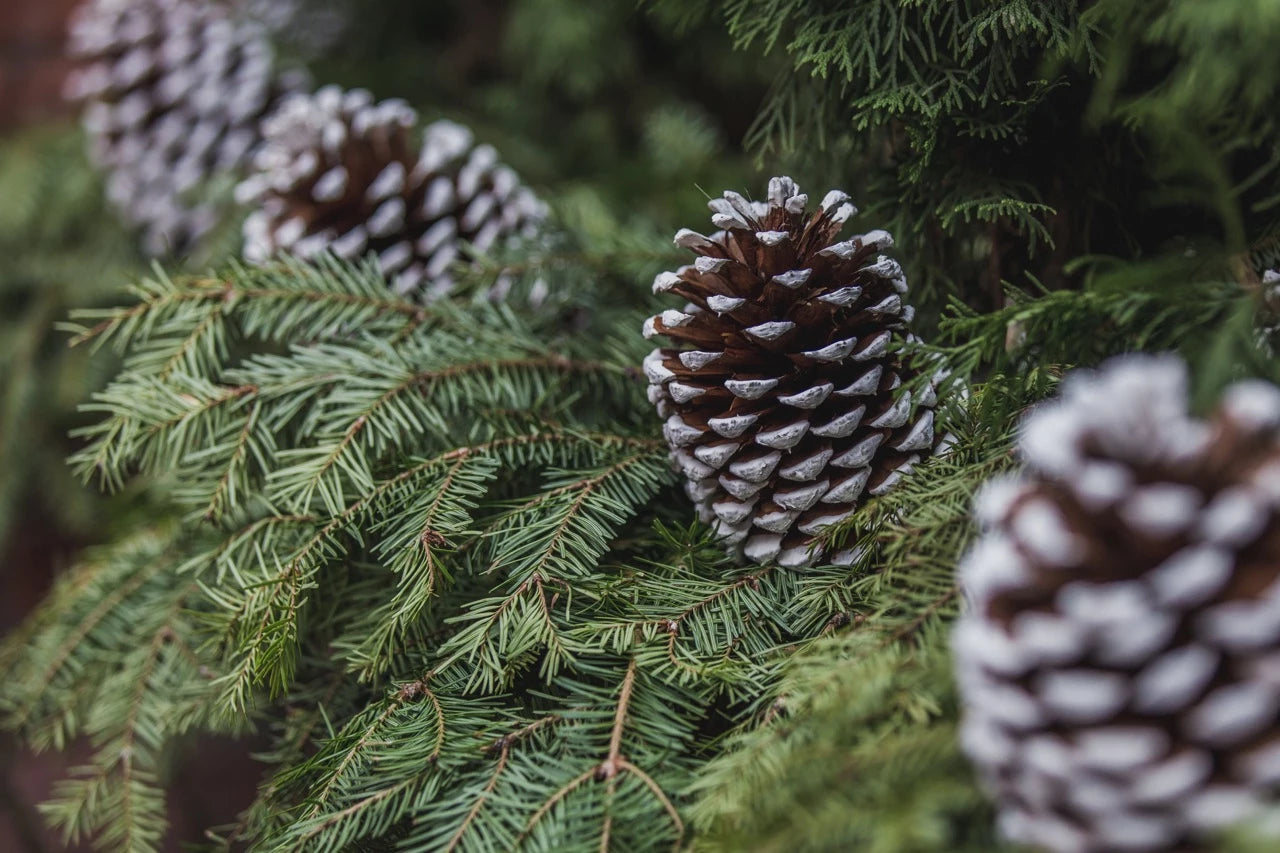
x=340 y=173
x=1120 y=655
x=173 y=91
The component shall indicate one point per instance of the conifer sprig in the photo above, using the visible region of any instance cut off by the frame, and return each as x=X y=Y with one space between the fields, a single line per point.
x=446 y=512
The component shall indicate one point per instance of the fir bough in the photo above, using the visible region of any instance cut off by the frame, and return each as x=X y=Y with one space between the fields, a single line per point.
x=437 y=556
x=459 y=546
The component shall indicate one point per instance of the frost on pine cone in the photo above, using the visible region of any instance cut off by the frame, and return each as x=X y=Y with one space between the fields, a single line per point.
x=1120 y=656
x=173 y=91
x=339 y=173
x=780 y=394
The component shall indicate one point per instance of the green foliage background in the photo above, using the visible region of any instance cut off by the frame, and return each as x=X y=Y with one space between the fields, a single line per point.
x=435 y=555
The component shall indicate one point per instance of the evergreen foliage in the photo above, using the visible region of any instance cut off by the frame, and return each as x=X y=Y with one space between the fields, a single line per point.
x=1001 y=141
x=436 y=555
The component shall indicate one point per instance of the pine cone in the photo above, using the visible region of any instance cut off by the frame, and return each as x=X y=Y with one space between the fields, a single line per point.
x=339 y=173
x=780 y=393
x=173 y=92
x=1120 y=657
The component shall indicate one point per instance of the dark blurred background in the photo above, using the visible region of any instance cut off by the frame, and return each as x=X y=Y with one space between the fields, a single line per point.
x=32 y=68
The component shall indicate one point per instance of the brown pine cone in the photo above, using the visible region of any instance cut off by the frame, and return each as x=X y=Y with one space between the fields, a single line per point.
x=1120 y=657
x=173 y=92
x=339 y=173
x=780 y=393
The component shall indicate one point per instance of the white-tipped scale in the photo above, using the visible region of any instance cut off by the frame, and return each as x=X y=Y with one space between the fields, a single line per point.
x=866 y=384
x=878 y=238
x=673 y=319
x=388 y=182
x=664 y=281
x=729 y=222
x=920 y=436
x=804 y=470
x=834 y=199
x=437 y=235
x=849 y=489
x=783 y=437
x=716 y=455
x=889 y=305
x=732 y=426
x=777 y=521
x=678 y=433
x=682 y=393
x=763 y=547
x=331 y=186
x=698 y=359
x=439 y=198
x=773 y=238
x=793 y=279
x=396 y=258
x=781 y=188
x=691 y=467
x=733 y=512
x=757 y=469
x=798 y=555
x=750 y=389
x=689 y=239
x=894 y=476
x=842 y=250
x=352 y=244
x=388 y=218
x=803 y=497
x=739 y=488
x=837 y=351
x=819 y=523
x=731 y=534
x=770 y=331
x=874 y=348
x=723 y=304
x=841 y=426
x=810 y=398
x=655 y=370
x=860 y=454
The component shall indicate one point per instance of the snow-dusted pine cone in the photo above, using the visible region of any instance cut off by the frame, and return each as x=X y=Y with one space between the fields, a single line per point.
x=780 y=392
x=173 y=91
x=1120 y=654
x=340 y=173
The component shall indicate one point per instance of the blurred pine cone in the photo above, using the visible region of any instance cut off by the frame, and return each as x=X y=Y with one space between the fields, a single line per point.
x=173 y=91
x=781 y=394
x=339 y=173
x=1120 y=658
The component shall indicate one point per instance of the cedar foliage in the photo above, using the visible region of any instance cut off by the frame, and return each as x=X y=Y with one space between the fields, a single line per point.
x=436 y=556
